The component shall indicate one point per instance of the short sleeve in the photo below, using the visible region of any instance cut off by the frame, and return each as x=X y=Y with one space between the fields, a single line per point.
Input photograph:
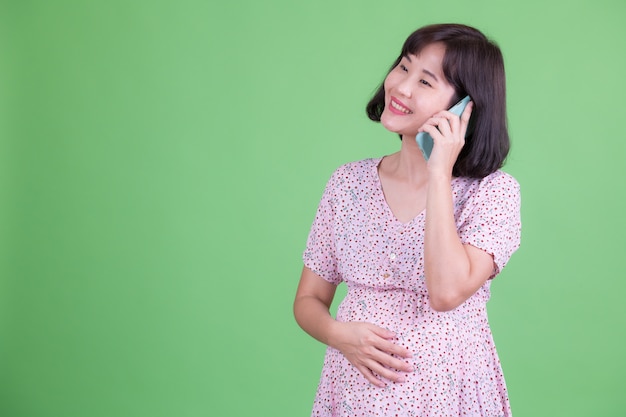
x=494 y=223
x=320 y=255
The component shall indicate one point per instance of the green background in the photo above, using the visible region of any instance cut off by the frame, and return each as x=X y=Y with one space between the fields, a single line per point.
x=161 y=163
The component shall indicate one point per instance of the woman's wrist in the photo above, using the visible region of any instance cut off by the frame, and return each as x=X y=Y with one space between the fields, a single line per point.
x=437 y=178
x=334 y=333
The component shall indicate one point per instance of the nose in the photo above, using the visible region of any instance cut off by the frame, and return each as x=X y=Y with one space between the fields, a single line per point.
x=405 y=87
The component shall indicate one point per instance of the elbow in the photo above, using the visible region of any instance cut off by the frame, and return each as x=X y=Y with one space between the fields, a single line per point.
x=445 y=294
x=444 y=302
x=297 y=311
x=301 y=305
x=442 y=307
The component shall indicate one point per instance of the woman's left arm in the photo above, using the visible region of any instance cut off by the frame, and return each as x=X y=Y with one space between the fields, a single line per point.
x=454 y=271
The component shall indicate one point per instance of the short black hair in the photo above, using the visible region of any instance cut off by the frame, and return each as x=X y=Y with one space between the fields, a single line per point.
x=474 y=66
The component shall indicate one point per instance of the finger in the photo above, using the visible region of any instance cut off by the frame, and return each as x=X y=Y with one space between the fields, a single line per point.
x=395 y=349
x=465 y=116
x=389 y=361
x=382 y=350
x=369 y=375
x=436 y=120
x=453 y=126
x=444 y=124
x=431 y=130
x=384 y=333
x=454 y=122
x=384 y=372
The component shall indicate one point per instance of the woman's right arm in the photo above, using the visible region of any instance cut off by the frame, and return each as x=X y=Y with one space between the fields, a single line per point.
x=365 y=345
x=311 y=306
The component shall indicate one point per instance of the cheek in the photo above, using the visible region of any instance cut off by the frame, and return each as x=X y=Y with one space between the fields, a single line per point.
x=386 y=87
x=451 y=98
x=390 y=81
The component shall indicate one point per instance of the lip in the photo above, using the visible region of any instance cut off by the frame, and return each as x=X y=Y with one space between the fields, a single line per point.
x=401 y=104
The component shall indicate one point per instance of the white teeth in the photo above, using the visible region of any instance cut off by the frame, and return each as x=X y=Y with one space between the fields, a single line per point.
x=399 y=107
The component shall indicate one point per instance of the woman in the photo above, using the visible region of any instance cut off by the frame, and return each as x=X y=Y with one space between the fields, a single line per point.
x=417 y=242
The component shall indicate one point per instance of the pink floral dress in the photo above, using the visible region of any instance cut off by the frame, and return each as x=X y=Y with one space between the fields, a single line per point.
x=356 y=239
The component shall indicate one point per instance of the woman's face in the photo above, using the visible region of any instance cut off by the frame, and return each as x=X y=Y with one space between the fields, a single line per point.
x=415 y=90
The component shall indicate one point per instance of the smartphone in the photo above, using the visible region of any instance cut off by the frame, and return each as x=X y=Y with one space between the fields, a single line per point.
x=425 y=142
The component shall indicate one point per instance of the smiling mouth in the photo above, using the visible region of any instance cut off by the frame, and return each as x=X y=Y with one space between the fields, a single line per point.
x=400 y=107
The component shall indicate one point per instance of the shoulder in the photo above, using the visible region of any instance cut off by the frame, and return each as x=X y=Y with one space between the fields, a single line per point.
x=364 y=165
x=356 y=170
x=496 y=189
x=498 y=180
x=499 y=184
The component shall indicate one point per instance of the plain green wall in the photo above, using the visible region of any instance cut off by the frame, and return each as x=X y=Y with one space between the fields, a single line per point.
x=161 y=163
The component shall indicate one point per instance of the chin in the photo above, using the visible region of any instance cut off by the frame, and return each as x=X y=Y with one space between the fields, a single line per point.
x=389 y=126
x=394 y=129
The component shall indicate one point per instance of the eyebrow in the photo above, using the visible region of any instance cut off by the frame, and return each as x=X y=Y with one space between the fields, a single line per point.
x=431 y=74
x=424 y=70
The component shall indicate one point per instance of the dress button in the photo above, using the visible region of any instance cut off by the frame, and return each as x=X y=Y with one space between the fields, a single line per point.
x=392 y=256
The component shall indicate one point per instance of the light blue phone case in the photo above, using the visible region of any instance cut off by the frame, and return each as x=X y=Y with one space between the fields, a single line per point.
x=424 y=140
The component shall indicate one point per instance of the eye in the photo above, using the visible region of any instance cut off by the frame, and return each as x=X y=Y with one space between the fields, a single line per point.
x=403 y=67
x=426 y=83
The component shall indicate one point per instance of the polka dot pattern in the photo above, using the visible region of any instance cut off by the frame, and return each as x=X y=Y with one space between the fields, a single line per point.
x=356 y=239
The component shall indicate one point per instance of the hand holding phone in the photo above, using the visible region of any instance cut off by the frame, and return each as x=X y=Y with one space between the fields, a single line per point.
x=425 y=142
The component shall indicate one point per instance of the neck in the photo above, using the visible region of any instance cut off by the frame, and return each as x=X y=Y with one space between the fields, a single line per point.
x=409 y=164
